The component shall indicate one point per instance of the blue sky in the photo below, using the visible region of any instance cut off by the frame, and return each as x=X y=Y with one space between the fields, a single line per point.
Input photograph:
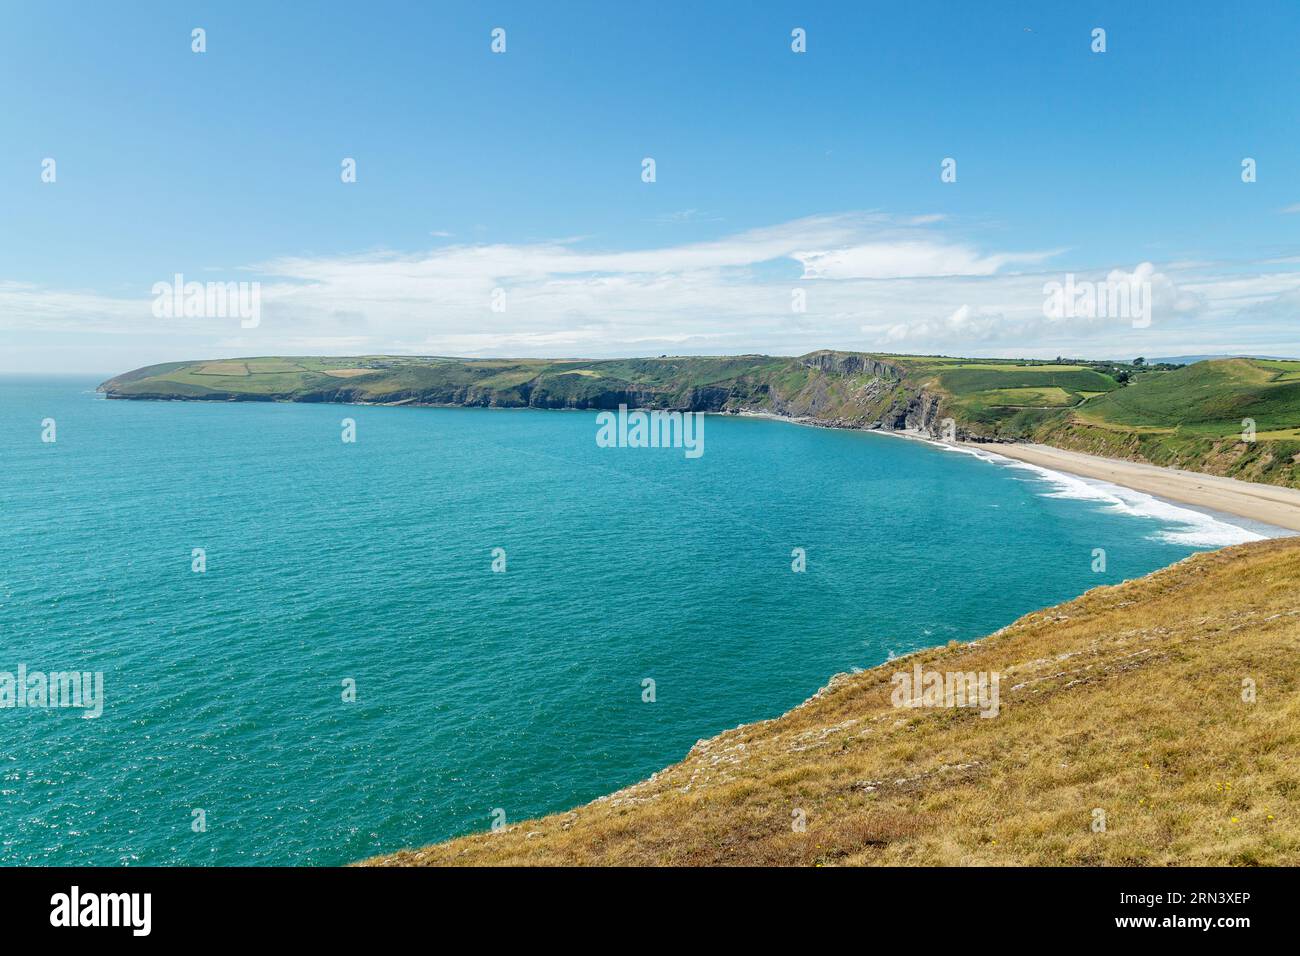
x=522 y=172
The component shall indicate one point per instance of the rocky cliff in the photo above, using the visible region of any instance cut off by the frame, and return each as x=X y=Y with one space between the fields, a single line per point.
x=837 y=389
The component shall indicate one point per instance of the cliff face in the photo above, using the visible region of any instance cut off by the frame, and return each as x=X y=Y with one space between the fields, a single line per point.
x=1188 y=416
x=846 y=364
x=526 y=395
x=921 y=414
x=851 y=390
x=837 y=389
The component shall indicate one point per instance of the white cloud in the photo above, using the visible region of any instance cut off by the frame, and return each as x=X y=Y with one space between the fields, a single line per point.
x=684 y=216
x=906 y=259
x=872 y=281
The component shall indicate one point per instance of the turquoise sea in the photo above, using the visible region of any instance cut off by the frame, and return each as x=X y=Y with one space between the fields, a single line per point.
x=475 y=691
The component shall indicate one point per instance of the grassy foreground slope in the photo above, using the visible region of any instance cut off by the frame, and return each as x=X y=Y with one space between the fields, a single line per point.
x=1127 y=700
x=1191 y=417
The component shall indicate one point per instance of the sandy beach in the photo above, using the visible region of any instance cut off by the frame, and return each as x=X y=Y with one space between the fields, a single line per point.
x=1268 y=503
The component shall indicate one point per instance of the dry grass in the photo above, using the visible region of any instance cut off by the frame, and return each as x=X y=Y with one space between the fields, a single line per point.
x=1128 y=699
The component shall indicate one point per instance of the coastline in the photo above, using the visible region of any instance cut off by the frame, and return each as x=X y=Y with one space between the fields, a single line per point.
x=1269 y=504
x=1088 y=666
x=821 y=717
x=1273 y=505
x=1225 y=497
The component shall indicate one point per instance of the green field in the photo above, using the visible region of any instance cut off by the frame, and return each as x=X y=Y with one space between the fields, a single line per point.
x=1050 y=397
x=1208 y=398
x=1197 y=417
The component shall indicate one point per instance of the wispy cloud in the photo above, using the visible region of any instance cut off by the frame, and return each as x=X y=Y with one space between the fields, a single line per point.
x=870 y=281
x=909 y=259
x=684 y=216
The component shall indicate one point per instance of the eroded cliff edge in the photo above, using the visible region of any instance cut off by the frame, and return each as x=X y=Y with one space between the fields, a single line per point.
x=831 y=388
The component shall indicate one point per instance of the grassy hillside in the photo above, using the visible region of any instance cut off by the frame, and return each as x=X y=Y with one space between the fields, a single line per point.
x=993 y=398
x=1193 y=418
x=429 y=380
x=1128 y=700
x=851 y=389
x=1190 y=416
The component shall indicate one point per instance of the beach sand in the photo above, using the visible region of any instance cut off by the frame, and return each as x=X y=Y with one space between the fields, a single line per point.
x=1268 y=503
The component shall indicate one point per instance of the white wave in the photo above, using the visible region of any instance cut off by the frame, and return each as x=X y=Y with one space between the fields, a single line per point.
x=1185 y=526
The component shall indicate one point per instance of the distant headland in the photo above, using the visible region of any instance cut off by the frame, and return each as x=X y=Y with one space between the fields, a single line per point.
x=1237 y=417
